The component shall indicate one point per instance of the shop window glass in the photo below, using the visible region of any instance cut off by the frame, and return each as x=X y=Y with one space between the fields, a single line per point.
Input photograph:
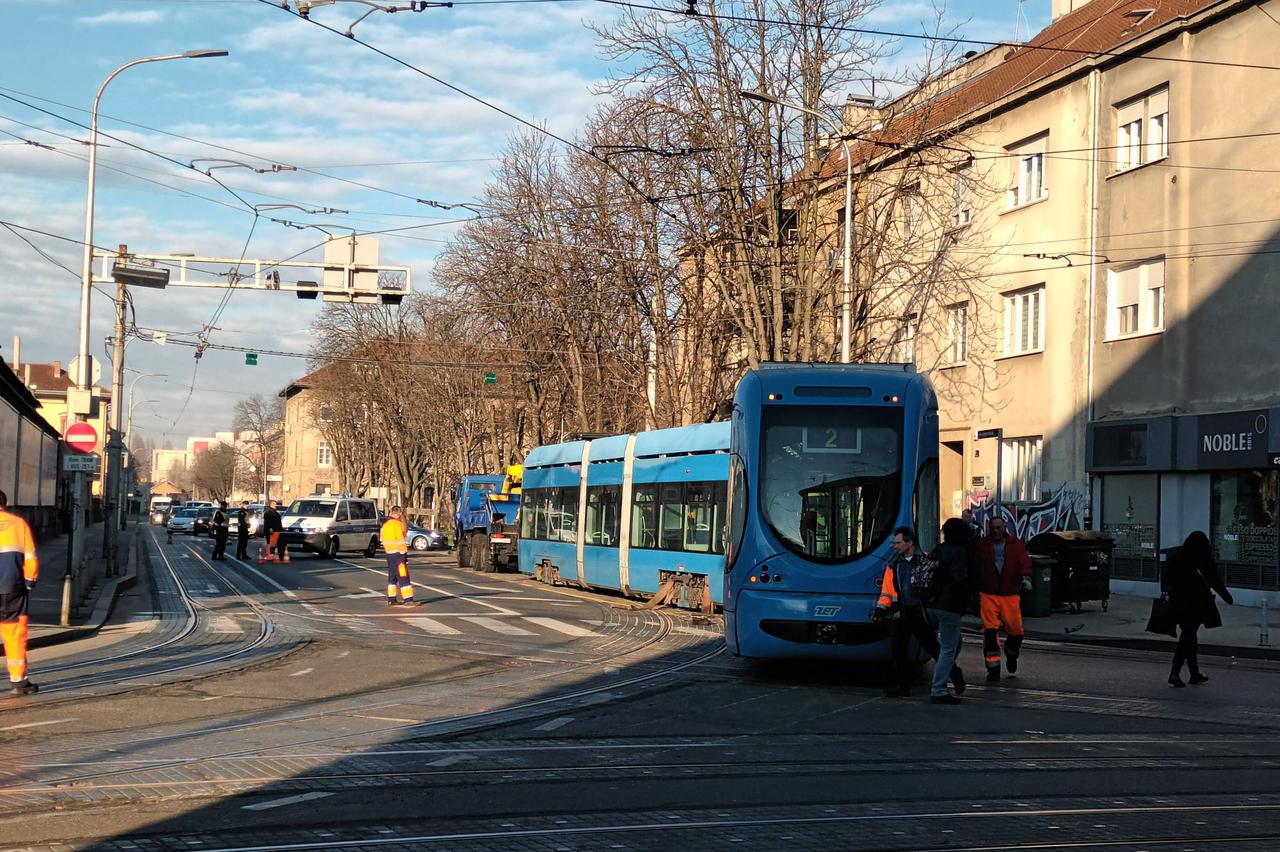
x=1243 y=525
x=1129 y=515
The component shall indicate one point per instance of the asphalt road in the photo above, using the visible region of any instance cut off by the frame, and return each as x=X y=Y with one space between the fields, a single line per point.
x=242 y=706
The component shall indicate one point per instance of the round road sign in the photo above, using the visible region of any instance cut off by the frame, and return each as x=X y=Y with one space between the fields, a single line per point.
x=81 y=437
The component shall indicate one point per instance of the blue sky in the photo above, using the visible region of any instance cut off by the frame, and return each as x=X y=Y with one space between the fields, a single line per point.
x=290 y=93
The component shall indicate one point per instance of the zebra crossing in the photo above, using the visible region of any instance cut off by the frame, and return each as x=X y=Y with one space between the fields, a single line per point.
x=456 y=626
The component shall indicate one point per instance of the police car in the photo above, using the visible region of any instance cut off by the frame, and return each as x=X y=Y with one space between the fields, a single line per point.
x=327 y=524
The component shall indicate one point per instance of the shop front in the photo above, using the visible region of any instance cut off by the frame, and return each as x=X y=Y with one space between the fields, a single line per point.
x=1157 y=479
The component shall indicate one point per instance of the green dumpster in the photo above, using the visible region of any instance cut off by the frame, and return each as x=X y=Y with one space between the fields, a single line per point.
x=1035 y=603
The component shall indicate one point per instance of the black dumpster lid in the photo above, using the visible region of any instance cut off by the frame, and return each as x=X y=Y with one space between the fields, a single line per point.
x=1059 y=539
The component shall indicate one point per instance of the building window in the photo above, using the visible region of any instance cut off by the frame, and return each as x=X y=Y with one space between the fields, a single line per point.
x=324 y=455
x=1135 y=300
x=1024 y=321
x=326 y=413
x=1243 y=524
x=1027 y=181
x=958 y=333
x=912 y=211
x=961 y=197
x=905 y=342
x=1020 y=469
x=1142 y=130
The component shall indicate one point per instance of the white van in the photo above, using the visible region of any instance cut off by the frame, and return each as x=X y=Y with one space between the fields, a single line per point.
x=326 y=524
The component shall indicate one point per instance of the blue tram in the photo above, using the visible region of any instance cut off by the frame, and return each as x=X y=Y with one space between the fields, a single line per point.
x=639 y=514
x=826 y=460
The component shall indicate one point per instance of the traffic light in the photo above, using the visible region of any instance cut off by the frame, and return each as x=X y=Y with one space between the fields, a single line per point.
x=251 y=359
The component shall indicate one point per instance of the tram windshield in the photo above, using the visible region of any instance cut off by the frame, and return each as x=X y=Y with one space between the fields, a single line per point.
x=831 y=477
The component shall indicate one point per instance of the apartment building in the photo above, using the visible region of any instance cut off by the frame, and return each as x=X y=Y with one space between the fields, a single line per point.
x=309 y=463
x=1113 y=346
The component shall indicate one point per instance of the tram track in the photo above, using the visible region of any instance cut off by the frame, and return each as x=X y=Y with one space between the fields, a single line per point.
x=190 y=627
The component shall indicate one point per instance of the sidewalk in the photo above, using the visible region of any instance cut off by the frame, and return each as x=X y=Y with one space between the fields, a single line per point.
x=46 y=601
x=1124 y=623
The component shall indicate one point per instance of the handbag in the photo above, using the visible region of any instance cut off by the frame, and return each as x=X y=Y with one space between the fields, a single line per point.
x=1212 y=618
x=1162 y=621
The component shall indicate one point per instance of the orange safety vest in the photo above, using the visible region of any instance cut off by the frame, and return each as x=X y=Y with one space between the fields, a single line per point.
x=18 y=562
x=394 y=536
x=888 y=590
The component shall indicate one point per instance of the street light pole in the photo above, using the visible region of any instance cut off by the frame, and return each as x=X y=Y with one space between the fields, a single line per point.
x=83 y=372
x=846 y=302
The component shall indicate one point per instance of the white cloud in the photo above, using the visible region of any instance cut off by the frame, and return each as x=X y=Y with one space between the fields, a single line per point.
x=141 y=17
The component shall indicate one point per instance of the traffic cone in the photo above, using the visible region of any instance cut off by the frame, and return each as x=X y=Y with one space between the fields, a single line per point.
x=286 y=559
x=262 y=553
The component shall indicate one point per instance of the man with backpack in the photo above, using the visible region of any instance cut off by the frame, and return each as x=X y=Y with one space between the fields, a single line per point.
x=1004 y=572
x=949 y=600
x=901 y=603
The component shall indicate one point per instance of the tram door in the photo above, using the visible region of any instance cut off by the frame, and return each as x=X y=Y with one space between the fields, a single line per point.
x=831 y=521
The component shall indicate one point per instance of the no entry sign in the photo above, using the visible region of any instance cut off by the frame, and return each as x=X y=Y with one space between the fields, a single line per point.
x=81 y=437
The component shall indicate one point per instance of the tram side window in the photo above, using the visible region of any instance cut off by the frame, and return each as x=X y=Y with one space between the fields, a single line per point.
x=568 y=507
x=671 y=517
x=604 y=504
x=644 y=516
x=687 y=517
x=531 y=514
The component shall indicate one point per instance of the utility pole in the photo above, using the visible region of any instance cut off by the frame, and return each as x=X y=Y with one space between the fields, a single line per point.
x=115 y=456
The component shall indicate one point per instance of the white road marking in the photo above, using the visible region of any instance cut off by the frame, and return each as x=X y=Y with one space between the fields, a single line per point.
x=554 y=723
x=451 y=760
x=496 y=626
x=36 y=724
x=224 y=624
x=439 y=591
x=559 y=626
x=430 y=625
x=301 y=673
x=288 y=800
x=368 y=593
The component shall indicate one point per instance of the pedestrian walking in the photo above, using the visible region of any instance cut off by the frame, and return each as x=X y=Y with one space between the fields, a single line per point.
x=220 y=528
x=395 y=535
x=950 y=601
x=1190 y=577
x=1004 y=572
x=272 y=527
x=242 y=530
x=909 y=619
x=19 y=570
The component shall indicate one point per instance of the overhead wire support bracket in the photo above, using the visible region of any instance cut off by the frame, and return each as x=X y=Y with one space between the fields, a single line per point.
x=235 y=273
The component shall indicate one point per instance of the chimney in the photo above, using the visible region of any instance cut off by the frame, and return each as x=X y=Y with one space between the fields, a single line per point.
x=57 y=369
x=26 y=375
x=17 y=352
x=859 y=113
x=1065 y=7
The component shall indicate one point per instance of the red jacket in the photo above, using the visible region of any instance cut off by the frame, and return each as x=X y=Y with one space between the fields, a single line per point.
x=1016 y=566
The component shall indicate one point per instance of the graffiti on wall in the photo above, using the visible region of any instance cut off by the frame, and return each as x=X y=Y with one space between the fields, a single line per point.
x=1063 y=510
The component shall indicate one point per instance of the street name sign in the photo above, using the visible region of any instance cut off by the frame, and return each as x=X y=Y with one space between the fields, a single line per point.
x=84 y=463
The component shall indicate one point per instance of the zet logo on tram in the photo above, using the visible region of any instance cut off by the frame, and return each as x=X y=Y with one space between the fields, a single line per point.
x=825 y=611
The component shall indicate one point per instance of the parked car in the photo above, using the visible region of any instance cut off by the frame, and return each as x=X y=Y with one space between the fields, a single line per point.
x=184 y=521
x=255 y=519
x=421 y=538
x=204 y=516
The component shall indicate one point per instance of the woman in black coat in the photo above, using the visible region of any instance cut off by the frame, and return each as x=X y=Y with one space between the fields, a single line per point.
x=1189 y=576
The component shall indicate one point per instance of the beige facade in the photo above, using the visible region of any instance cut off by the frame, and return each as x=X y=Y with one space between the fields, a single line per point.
x=1126 y=275
x=310 y=466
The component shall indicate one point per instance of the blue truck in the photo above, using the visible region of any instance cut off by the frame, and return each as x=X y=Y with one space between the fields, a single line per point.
x=486 y=521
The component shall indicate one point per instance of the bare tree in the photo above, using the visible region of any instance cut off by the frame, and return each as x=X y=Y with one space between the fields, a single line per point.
x=214 y=471
x=259 y=424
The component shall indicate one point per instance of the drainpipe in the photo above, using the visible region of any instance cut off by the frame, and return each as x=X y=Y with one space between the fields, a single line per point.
x=1095 y=116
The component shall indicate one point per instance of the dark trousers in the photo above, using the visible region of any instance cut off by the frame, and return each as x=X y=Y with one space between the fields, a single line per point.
x=914 y=624
x=1188 y=645
x=220 y=543
x=242 y=544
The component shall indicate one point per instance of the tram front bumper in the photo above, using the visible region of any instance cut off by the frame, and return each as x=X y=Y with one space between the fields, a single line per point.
x=778 y=625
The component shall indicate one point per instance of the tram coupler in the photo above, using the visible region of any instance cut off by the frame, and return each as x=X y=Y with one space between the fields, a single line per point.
x=545 y=572
x=687 y=591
